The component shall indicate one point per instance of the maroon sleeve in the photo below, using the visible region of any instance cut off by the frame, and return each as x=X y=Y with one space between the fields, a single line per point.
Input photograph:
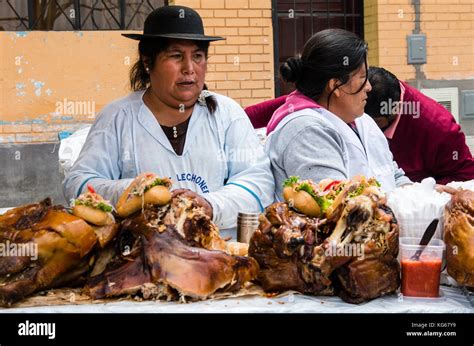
x=261 y=113
x=453 y=160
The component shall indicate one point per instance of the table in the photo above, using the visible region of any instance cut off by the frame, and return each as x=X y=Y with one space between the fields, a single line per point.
x=452 y=302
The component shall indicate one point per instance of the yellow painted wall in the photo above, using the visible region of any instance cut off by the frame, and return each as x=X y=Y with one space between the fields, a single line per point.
x=83 y=71
x=447 y=24
x=41 y=71
x=371 y=35
x=449 y=28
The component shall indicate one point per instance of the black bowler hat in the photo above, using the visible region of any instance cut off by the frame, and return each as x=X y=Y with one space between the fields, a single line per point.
x=174 y=22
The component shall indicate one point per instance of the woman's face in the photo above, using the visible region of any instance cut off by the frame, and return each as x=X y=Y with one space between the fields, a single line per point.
x=348 y=103
x=178 y=75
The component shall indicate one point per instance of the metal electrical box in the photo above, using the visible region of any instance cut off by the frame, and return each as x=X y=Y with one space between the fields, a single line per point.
x=467 y=97
x=416 y=49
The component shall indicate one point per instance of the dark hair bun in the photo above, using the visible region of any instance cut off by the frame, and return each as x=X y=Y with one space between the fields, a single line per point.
x=291 y=70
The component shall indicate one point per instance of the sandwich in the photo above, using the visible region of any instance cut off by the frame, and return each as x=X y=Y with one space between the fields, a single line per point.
x=93 y=208
x=147 y=188
x=322 y=199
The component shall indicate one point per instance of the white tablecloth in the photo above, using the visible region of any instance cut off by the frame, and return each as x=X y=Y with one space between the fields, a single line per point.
x=452 y=302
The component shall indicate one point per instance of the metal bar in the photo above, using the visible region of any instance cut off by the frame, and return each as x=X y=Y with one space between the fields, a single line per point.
x=77 y=18
x=65 y=15
x=89 y=14
x=122 y=14
x=42 y=14
x=131 y=19
x=92 y=16
x=31 y=16
x=18 y=15
x=165 y=3
x=108 y=10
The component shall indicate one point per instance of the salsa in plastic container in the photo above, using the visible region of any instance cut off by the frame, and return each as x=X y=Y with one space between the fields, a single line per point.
x=420 y=278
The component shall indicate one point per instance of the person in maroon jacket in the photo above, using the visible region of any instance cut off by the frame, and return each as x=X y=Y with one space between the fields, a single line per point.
x=423 y=136
x=260 y=113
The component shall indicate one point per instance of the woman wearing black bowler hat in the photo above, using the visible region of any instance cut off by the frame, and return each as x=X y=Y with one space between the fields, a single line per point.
x=172 y=126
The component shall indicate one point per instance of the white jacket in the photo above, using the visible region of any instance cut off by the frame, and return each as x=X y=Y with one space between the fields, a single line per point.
x=222 y=159
x=316 y=144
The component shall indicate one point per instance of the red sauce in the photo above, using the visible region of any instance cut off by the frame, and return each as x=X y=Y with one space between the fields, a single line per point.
x=421 y=278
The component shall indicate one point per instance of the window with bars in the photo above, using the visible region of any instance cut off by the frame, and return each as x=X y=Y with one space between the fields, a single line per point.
x=65 y=15
x=297 y=20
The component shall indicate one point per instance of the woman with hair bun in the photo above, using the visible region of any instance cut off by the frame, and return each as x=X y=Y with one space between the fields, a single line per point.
x=321 y=131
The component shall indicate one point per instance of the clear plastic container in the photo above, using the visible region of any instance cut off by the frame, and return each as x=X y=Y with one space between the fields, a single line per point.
x=423 y=300
x=421 y=278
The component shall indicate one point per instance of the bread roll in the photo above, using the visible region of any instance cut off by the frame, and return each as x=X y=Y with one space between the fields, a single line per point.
x=128 y=204
x=93 y=215
x=302 y=201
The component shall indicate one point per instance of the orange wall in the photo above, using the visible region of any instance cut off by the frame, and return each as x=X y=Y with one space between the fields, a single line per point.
x=42 y=71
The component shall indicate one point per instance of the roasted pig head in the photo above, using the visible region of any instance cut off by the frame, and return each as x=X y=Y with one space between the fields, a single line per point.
x=283 y=246
x=172 y=252
x=58 y=245
x=351 y=250
x=459 y=237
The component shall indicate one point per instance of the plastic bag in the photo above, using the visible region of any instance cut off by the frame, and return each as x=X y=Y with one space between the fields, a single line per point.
x=70 y=148
x=416 y=205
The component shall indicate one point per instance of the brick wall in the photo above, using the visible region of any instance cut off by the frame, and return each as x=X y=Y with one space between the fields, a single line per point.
x=240 y=67
x=395 y=20
x=447 y=24
x=449 y=28
x=371 y=30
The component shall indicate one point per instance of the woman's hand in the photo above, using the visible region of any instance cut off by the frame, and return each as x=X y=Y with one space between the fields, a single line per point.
x=200 y=201
x=443 y=188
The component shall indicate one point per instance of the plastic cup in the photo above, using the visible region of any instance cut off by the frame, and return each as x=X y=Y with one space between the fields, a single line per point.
x=420 y=278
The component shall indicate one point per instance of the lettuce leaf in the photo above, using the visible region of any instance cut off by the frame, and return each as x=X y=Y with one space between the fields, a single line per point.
x=323 y=203
x=101 y=205
x=291 y=181
x=156 y=182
